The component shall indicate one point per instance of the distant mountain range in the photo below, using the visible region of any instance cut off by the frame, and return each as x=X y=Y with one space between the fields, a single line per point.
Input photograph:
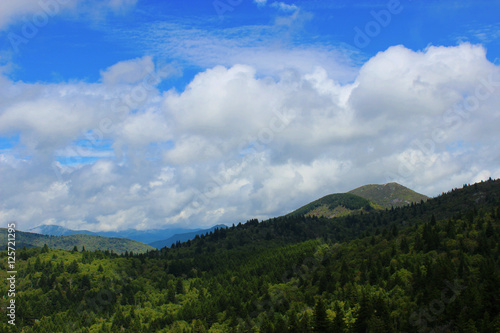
x=377 y=271
x=143 y=236
x=361 y=199
x=68 y=242
x=184 y=237
x=157 y=238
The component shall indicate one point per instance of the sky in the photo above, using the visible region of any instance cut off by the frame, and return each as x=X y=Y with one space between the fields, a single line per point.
x=144 y=114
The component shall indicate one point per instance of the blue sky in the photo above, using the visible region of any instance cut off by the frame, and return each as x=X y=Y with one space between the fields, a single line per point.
x=70 y=48
x=143 y=114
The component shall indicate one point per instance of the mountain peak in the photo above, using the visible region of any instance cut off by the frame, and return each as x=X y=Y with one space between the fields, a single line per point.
x=389 y=194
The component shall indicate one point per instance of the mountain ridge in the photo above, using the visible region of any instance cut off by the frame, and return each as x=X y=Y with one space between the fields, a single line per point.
x=184 y=237
x=363 y=272
x=362 y=199
x=389 y=194
x=143 y=236
x=68 y=242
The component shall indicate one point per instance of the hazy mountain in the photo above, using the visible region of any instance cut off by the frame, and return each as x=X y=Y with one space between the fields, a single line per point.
x=146 y=236
x=184 y=237
x=143 y=236
x=55 y=230
x=68 y=242
x=388 y=195
x=377 y=271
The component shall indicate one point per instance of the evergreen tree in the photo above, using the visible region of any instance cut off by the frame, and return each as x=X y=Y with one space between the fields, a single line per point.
x=364 y=314
x=179 y=287
x=321 y=323
x=73 y=267
x=338 y=323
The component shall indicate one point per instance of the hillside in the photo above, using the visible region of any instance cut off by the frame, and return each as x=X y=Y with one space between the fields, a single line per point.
x=334 y=205
x=389 y=195
x=143 y=236
x=431 y=266
x=91 y=243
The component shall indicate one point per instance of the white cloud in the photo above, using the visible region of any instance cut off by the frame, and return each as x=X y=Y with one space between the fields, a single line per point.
x=238 y=144
x=130 y=71
x=278 y=5
x=144 y=128
x=255 y=46
x=284 y=7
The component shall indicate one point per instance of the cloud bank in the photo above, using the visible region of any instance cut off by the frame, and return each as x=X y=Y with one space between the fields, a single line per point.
x=236 y=144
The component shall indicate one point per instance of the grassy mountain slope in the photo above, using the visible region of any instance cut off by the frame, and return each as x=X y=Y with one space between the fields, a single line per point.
x=91 y=243
x=388 y=195
x=334 y=205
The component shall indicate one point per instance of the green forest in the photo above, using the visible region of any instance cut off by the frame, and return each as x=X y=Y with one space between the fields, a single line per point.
x=431 y=266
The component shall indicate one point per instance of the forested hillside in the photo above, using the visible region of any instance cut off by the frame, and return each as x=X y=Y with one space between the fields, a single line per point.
x=90 y=242
x=432 y=266
x=334 y=205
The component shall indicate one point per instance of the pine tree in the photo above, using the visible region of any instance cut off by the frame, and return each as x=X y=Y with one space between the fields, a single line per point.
x=73 y=267
x=364 y=314
x=171 y=295
x=405 y=248
x=338 y=323
x=344 y=273
x=179 y=287
x=321 y=323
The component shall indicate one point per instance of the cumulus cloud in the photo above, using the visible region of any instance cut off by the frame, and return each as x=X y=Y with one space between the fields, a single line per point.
x=236 y=144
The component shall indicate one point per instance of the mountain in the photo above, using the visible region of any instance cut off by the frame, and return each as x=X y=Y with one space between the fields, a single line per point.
x=143 y=236
x=146 y=236
x=184 y=237
x=430 y=266
x=55 y=230
x=389 y=195
x=361 y=199
x=334 y=205
x=68 y=242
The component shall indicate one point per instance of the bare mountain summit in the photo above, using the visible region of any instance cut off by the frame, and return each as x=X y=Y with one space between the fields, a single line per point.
x=389 y=195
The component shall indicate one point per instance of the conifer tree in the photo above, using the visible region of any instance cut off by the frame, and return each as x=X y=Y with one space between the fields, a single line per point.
x=321 y=323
